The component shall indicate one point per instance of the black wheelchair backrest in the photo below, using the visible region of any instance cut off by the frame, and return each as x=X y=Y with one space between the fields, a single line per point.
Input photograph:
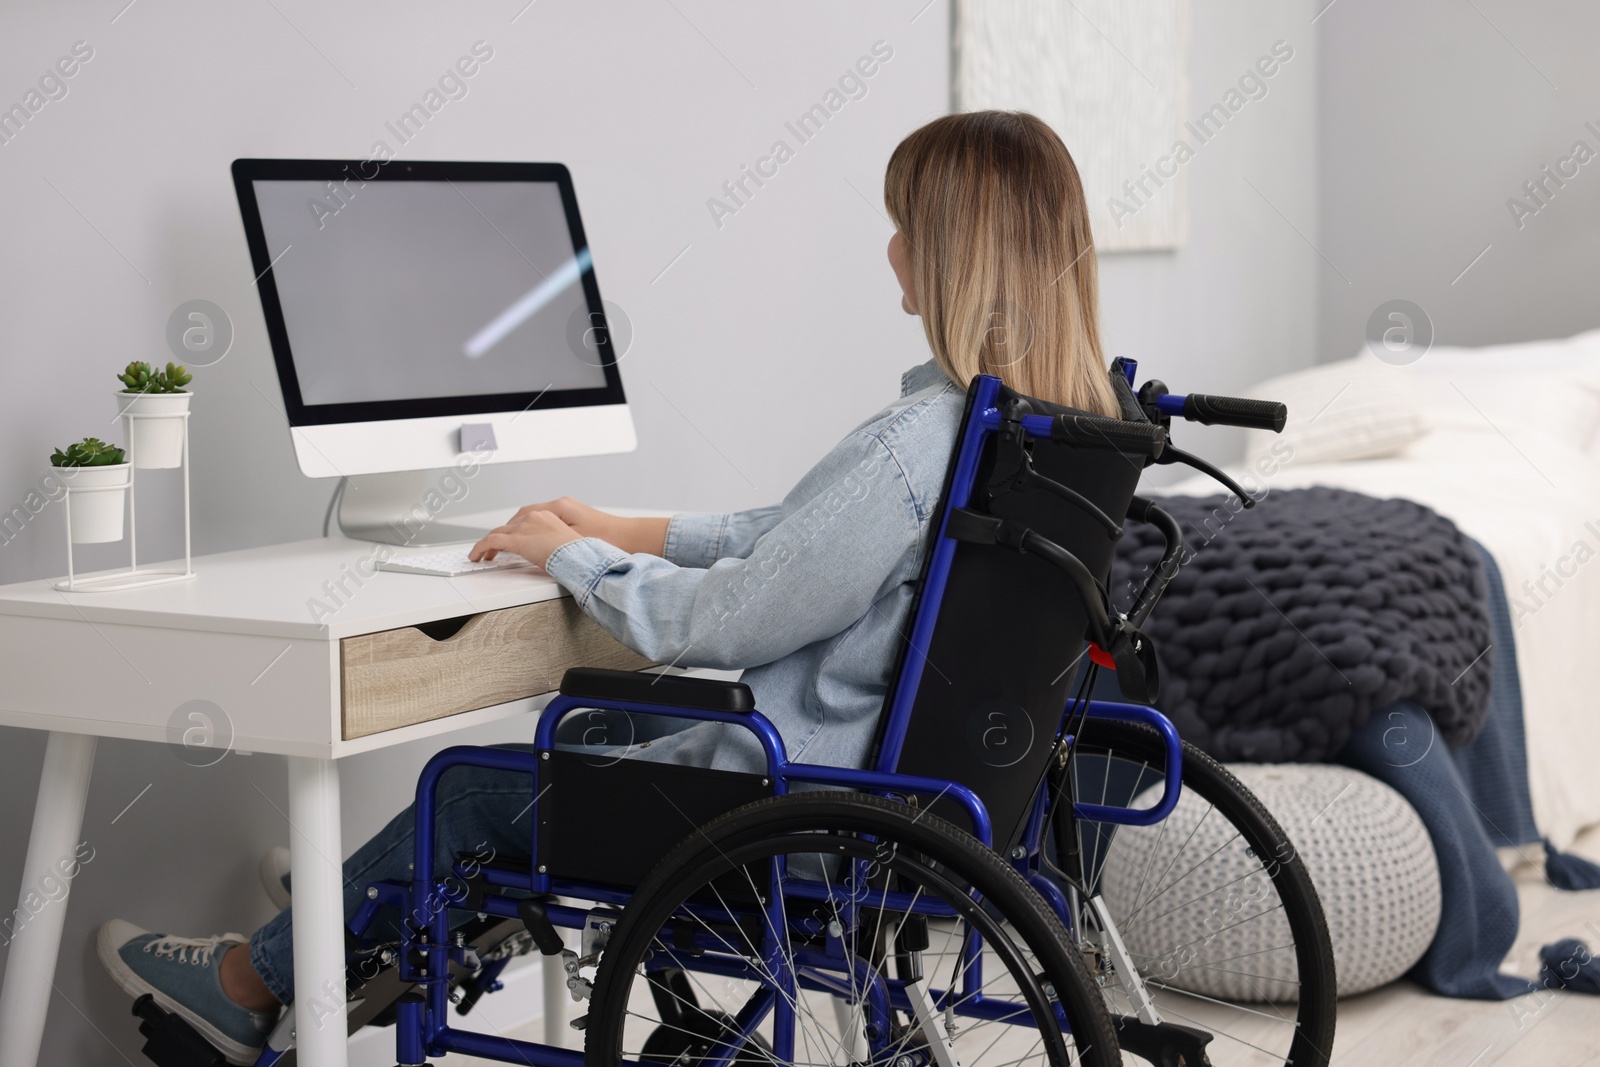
x=997 y=634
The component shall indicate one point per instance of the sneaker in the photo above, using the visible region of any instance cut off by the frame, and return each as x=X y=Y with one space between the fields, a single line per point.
x=180 y=973
x=274 y=871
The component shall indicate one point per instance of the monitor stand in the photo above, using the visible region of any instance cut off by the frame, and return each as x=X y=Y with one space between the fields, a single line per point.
x=400 y=509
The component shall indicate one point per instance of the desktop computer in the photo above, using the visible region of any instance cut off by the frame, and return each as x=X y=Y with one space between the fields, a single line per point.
x=424 y=313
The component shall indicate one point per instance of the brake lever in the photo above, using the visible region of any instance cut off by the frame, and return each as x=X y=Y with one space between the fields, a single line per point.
x=1172 y=454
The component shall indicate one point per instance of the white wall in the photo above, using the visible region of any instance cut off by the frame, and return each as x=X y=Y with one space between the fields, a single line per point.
x=766 y=340
x=1433 y=115
x=1238 y=302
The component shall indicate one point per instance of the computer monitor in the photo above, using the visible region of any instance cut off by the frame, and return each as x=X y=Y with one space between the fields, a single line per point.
x=425 y=313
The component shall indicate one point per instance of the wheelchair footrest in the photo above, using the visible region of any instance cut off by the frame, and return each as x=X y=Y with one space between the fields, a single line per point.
x=1163 y=1044
x=170 y=1041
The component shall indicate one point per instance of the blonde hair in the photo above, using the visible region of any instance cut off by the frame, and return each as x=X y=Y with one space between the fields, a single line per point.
x=1002 y=258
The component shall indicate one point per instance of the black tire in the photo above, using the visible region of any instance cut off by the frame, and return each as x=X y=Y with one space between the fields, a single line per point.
x=909 y=844
x=1306 y=1037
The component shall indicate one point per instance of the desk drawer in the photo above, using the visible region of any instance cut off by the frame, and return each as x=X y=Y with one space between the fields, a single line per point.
x=399 y=677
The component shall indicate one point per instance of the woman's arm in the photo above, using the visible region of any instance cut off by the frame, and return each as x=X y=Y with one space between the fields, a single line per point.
x=689 y=539
x=697 y=539
x=805 y=578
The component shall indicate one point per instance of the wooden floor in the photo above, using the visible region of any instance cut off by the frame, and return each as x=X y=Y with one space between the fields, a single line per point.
x=1403 y=1026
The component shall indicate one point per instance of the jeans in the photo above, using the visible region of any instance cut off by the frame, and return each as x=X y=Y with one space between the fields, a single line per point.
x=487 y=813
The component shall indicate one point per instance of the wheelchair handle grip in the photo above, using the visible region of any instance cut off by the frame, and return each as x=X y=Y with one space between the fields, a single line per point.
x=1092 y=431
x=1209 y=409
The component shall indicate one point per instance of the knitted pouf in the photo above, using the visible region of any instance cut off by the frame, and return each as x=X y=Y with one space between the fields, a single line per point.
x=1367 y=852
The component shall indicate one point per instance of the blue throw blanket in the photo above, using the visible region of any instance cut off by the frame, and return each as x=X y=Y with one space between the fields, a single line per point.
x=1478 y=907
x=1472 y=801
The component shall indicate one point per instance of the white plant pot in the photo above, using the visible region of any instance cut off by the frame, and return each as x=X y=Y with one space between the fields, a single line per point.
x=154 y=444
x=95 y=514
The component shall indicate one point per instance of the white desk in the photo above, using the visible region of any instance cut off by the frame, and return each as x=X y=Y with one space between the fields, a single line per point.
x=244 y=636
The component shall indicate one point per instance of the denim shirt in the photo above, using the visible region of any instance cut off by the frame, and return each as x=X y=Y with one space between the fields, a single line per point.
x=810 y=597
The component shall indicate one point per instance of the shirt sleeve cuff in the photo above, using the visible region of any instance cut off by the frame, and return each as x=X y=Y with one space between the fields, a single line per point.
x=695 y=539
x=579 y=565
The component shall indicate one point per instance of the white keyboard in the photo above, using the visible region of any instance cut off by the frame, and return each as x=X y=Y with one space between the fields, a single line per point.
x=448 y=562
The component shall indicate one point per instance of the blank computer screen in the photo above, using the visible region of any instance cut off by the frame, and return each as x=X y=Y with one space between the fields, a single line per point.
x=420 y=289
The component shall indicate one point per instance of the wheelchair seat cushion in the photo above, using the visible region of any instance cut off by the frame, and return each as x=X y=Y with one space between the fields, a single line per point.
x=1367 y=852
x=707 y=694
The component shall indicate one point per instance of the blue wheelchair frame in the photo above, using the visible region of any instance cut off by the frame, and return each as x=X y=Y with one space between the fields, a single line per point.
x=422 y=1026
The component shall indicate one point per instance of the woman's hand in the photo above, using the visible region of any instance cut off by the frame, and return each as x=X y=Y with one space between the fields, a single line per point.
x=560 y=521
x=533 y=535
x=630 y=535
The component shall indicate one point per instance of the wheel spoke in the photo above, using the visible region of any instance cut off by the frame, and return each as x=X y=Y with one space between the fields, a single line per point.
x=1194 y=900
x=1091 y=882
x=1138 y=907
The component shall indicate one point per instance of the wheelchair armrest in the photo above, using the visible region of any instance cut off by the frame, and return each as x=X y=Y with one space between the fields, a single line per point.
x=707 y=694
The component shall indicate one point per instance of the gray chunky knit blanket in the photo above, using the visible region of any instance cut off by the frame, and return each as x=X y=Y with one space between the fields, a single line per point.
x=1291 y=623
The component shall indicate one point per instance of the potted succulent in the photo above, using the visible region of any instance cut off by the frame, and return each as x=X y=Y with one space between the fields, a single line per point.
x=95 y=517
x=155 y=443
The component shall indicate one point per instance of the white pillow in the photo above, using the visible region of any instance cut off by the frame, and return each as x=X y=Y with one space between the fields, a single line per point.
x=1530 y=393
x=1353 y=409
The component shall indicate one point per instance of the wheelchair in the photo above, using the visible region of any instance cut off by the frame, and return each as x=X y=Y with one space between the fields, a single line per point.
x=998 y=886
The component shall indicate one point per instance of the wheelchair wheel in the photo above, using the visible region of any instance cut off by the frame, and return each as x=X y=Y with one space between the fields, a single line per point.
x=1212 y=908
x=845 y=929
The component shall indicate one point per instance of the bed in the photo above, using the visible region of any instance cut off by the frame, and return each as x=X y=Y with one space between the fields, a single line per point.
x=1505 y=442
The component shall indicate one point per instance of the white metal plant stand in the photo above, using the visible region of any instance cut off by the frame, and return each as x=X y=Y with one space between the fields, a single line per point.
x=134 y=577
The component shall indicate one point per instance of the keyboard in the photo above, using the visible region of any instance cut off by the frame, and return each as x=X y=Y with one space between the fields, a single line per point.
x=448 y=562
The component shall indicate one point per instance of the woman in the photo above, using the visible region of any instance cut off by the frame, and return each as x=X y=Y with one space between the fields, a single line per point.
x=808 y=597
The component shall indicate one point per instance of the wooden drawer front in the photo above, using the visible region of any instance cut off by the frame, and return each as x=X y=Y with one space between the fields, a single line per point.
x=399 y=677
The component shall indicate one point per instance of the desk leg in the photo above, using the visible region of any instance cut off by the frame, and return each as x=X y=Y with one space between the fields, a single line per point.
x=556 y=1001
x=316 y=865
x=31 y=970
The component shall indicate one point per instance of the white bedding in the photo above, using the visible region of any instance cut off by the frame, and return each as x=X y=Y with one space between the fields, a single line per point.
x=1529 y=493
